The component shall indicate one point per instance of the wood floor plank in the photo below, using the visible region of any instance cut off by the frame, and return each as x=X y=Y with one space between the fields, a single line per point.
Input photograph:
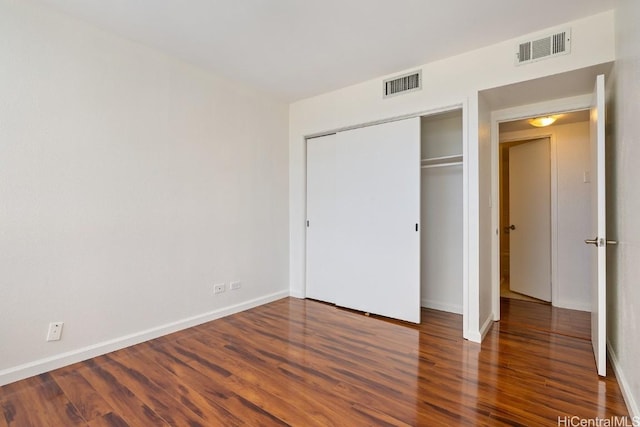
x=124 y=402
x=16 y=399
x=184 y=394
x=89 y=403
x=249 y=381
x=305 y=363
x=108 y=420
x=158 y=399
x=297 y=373
x=59 y=410
x=39 y=402
x=239 y=410
x=256 y=369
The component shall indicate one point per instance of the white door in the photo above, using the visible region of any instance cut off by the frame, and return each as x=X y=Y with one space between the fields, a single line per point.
x=598 y=229
x=378 y=203
x=530 y=219
x=321 y=218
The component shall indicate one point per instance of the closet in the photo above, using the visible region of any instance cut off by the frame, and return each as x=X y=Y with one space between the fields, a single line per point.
x=384 y=217
x=441 y=212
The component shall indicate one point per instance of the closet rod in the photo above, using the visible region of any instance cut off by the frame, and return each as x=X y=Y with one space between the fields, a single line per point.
x=441 y=165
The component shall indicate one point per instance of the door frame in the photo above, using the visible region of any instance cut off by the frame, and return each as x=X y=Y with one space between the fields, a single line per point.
x=553 y=179
x=557 y=106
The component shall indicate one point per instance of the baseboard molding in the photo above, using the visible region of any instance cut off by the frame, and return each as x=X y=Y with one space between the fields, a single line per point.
x=625 y=388
x=297 y=294
x=440 y=306
x=571 y=305
x=486 y=326
x=473 y=336
x=478 y=336
x=58 y=361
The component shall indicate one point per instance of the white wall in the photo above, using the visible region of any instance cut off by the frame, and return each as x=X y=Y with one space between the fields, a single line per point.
x=130 y=183
x=453 y=81
x=571 y=144
x=623 y=293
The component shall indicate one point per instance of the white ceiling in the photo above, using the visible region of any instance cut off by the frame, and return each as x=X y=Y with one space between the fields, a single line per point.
x=298 y=48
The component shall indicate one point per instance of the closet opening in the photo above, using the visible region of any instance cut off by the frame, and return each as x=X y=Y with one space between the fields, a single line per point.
x=441 y=213
x=544 y=207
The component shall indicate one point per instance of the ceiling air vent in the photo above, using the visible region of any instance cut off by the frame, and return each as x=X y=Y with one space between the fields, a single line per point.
x=402 y=84
x=545 y=47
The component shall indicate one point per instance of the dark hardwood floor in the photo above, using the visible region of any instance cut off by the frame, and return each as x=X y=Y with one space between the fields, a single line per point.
x=300 y=362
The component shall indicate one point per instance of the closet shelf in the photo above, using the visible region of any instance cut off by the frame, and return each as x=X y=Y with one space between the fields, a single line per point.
x=442 y=161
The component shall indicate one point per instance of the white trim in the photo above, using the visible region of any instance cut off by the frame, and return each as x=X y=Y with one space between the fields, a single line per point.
x=466 y=194
x=441 y=306
x=302 y=293
x=478 y=336
x=572 y=306
x=486 y=327
x=495 y=217
x=554 y=217
x=54 y=362
x=298 y=294
x=474 y=336
x=625 y=388
x=563 y=105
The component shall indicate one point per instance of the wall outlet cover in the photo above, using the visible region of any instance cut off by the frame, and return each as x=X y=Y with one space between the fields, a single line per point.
x=55 y=331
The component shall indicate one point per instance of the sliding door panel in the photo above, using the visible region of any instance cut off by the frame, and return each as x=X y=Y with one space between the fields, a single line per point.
x=377 y=244
x=321 y=218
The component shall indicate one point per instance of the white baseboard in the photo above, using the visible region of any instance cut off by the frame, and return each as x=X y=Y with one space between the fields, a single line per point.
x=473 y=336
x=297 y=294
x=440 y=306
x=486 y=326
x=572 y=305
x=629 y=399
x=478 y=336
x=58 y=361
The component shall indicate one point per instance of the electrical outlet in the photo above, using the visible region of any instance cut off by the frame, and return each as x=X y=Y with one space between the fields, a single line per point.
x=235 y=285
x=55 y=331
x=218 y=288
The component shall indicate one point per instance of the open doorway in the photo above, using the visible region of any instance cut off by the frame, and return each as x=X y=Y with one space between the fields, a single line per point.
x=544 y=203
x=578 y=271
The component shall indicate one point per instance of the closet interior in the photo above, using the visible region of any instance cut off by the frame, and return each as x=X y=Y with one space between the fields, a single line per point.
x=441 y=239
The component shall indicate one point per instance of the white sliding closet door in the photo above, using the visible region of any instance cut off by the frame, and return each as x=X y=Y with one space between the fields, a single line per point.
x=321 y=217
x=377 y=246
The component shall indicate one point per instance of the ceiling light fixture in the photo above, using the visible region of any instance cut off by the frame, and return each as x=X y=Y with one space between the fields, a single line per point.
x=541 y=122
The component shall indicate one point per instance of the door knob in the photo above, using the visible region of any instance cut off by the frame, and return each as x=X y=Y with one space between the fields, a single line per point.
x=509 y=228
x=600 y=242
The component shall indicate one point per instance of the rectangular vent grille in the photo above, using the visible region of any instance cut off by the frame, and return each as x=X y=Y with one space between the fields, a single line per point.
x=545 y=47
x=403 y=84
